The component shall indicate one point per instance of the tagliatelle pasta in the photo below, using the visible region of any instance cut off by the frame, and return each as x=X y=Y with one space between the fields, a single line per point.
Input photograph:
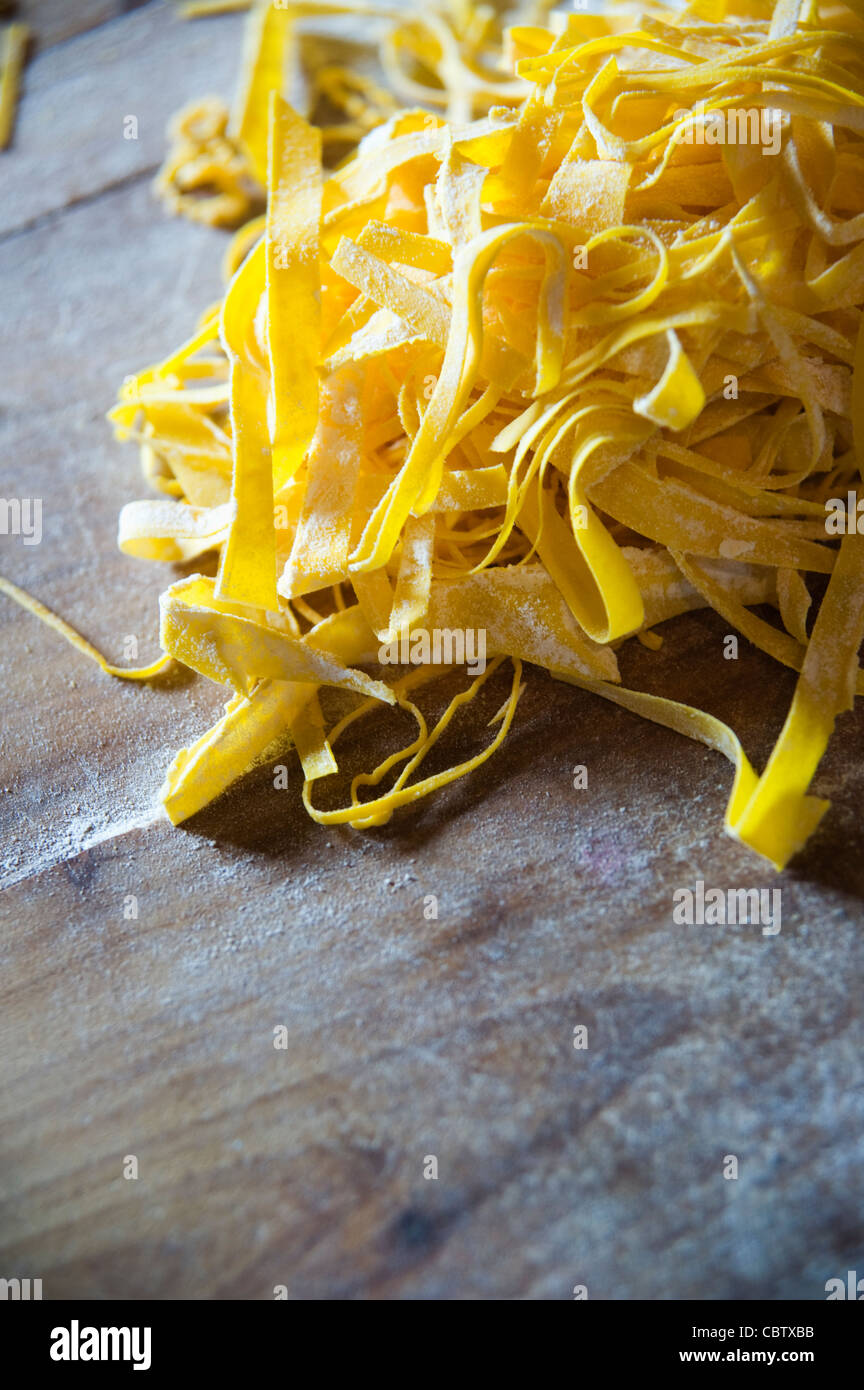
x=13 y=50
x=39 y=610
x=553 y=355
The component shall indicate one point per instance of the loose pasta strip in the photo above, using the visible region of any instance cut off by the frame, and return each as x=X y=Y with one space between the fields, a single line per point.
x=363 y=815
x=74 y=638
x=15 y=40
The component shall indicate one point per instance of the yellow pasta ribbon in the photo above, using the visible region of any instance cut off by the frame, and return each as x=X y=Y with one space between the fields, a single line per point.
x=15 y=40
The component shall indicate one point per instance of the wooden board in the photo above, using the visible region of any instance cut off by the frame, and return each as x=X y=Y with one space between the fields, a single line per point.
x=54 y=21
x=407 y=1035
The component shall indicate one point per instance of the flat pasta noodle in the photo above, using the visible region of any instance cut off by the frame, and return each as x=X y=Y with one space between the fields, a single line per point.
x=74 y=638
x=13 y=51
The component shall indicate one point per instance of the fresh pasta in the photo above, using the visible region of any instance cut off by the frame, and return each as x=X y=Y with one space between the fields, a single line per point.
x=568 y=345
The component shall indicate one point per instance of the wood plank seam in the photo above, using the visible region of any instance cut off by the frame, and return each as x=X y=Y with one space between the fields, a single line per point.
x=46 y=218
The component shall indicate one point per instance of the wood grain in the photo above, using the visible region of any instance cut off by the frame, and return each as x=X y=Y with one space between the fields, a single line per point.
x=407 y=1035
x=54 y=21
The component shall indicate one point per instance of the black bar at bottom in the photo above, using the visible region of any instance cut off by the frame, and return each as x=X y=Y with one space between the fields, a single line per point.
x=63 y=1339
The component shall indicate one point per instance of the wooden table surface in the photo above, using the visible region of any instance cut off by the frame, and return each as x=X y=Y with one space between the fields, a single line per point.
x=406 y=1036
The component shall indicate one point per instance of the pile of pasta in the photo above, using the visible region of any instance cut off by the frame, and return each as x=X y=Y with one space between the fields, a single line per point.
x=541 y=358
